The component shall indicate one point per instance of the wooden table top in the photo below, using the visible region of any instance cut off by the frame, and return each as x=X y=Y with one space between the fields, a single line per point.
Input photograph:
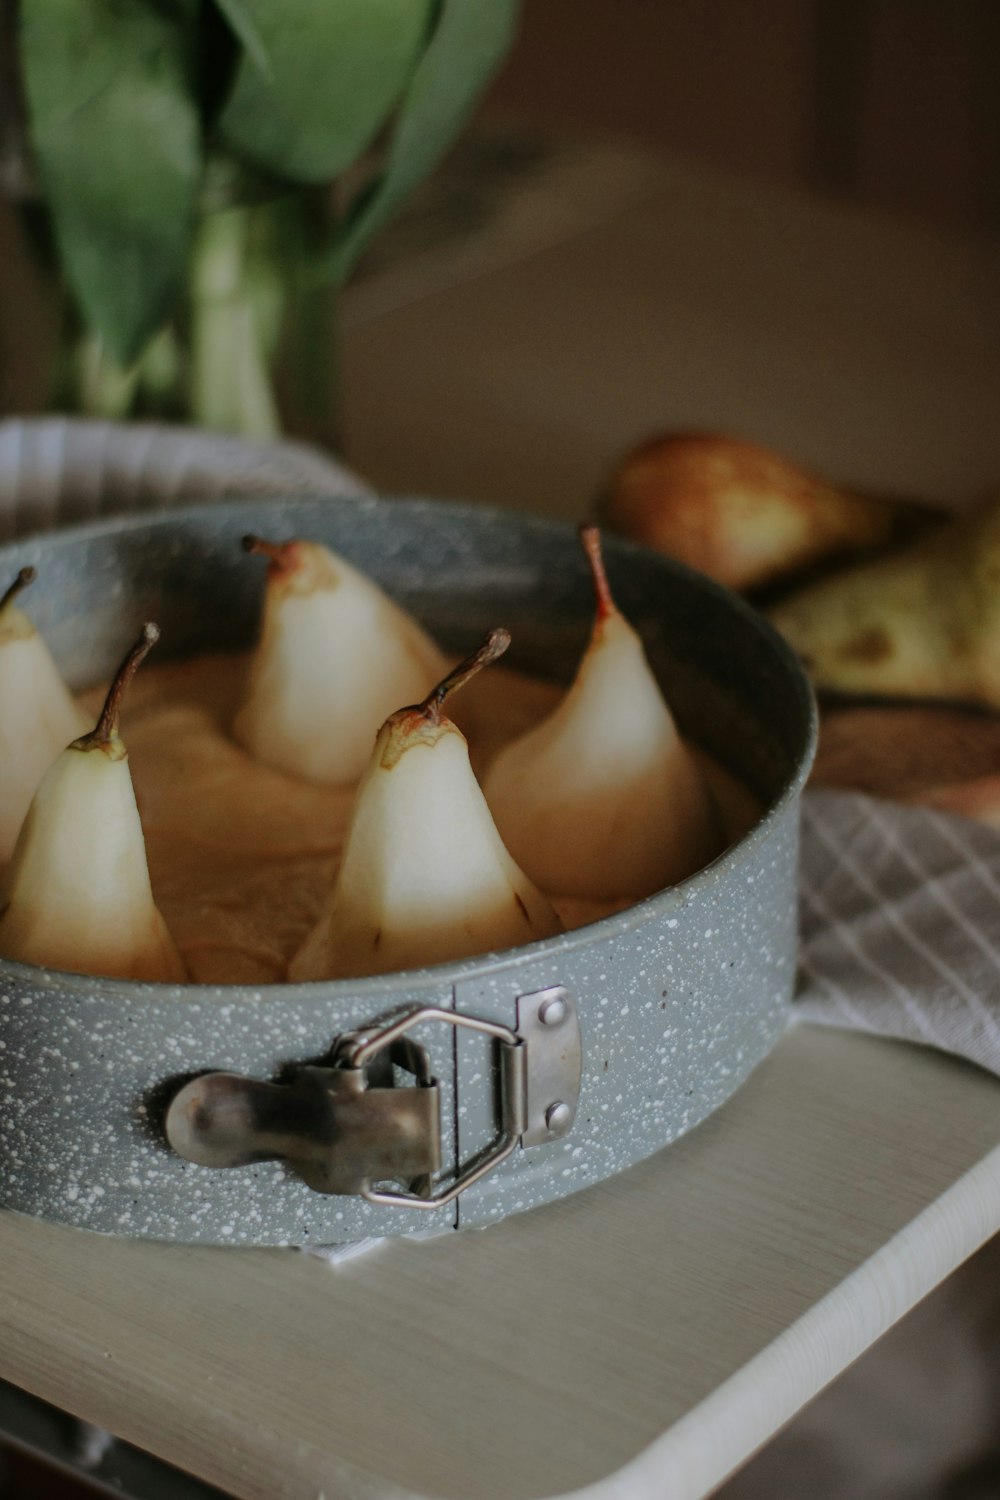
x=657 y=1327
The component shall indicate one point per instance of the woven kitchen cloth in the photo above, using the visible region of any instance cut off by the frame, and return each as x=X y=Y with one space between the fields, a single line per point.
x=59 y=471
x=900 y=910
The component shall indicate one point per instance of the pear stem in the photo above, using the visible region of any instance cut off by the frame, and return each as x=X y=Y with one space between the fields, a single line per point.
x=492 y=648
x=26 y=576
x=590 y=538
x=275 y=552
x=106 y=728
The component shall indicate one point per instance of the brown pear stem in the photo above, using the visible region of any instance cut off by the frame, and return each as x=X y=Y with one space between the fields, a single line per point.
x=106 y=728
x=590 y=538
x=275 y=552
x=492 y=648
x=26 y=576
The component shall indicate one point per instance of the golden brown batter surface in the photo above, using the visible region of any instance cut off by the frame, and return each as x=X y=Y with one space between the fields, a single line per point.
x=242 y=857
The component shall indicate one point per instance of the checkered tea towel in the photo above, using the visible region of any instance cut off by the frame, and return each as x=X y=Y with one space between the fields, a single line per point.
x=61 y=471
x=900 y=911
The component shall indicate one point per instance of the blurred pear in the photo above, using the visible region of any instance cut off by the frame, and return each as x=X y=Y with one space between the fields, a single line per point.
x=743 y=514
x=922 y=623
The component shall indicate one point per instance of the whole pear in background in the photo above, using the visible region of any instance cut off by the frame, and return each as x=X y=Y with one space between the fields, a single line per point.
x=604 y=799
x=335 y=656
x=922 y=623
x=742 y=513
x=425 y=877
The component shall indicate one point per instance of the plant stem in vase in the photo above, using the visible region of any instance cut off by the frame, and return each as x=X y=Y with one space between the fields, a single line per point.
x=182 y=161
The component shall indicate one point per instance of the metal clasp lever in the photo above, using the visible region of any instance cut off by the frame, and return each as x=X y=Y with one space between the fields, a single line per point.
x=348 y=1127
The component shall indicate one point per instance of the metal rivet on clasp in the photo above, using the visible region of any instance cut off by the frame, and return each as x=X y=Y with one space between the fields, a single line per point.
x=553 y=1010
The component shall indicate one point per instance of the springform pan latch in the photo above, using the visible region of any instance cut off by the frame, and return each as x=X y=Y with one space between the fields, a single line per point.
x=351 y=1125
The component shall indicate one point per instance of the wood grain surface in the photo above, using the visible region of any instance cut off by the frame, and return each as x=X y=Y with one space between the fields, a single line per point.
x=692 y=1304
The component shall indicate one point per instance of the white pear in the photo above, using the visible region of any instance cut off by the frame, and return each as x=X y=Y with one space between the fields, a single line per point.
x=336 y=655
x=425 y=877
x=603 y=799
x=76 y=895
x=38 y=717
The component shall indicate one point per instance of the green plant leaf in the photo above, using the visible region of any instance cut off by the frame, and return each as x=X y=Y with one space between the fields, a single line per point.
x=332 y=71
x=469 y=42
x=115 y=128
x=244 y=27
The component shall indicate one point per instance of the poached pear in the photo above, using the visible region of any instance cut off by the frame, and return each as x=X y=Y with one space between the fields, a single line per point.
x=603 y=799
x=425 y=877
x=335 y=656
x=38 y=717
x=76 y=894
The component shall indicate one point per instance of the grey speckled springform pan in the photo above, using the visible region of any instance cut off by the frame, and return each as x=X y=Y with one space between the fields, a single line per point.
x=455 y=1095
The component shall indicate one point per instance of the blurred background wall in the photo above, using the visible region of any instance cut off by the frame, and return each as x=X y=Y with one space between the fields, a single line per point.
x=891 y=102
